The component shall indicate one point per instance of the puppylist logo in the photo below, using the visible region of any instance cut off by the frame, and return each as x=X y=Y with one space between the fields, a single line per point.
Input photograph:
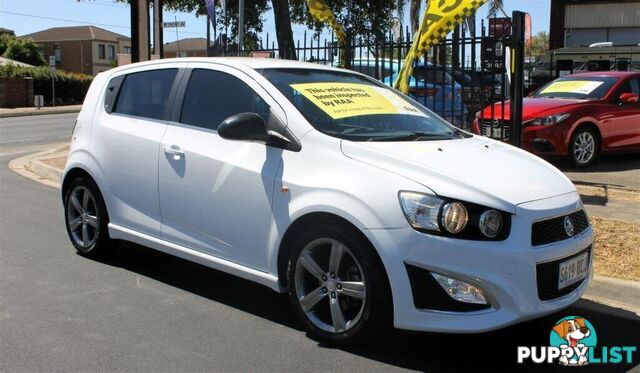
x=573 y=342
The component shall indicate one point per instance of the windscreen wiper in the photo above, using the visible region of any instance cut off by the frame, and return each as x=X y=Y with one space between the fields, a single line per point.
x=412 y=136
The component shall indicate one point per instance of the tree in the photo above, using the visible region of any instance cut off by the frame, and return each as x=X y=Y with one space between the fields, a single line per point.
x=366 y=18
x=539 y=44
x=414 y=14
x=24 y=50
x=496 y=6
x=284 y=33
x=253 y=17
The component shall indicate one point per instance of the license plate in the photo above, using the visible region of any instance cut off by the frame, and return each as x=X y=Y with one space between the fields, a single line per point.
x=573 y=270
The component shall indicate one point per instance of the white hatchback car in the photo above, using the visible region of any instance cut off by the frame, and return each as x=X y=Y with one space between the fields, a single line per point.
x=368 y=209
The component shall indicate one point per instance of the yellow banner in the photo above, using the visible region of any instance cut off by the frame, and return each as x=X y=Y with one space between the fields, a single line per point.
x=344 y=100
x=441 y=17
x=322 y=13
x=584 y=87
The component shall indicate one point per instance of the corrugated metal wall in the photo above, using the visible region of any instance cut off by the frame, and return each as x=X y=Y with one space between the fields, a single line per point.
x=602 y=15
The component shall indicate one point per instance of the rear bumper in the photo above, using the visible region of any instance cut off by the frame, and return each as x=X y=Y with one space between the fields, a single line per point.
x=504 y=270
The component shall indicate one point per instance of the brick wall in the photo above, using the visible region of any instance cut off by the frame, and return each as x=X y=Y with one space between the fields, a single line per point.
x=16 y=92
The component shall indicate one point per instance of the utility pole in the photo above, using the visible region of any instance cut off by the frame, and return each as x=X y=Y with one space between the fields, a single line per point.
x=158 y=43
x=208 y=36
x=240 y=26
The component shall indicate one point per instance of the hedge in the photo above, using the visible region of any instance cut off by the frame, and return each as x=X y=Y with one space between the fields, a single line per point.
x=70 y=87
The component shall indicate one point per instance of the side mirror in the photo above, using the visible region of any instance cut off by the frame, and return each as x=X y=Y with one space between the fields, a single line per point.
x=629 y=98
x=251 y=127
x=244 y=126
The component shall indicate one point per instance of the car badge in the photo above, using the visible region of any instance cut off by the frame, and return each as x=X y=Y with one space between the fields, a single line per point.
x=568 y=226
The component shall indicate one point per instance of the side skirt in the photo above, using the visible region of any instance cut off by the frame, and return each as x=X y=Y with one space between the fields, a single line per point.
x=266 y=279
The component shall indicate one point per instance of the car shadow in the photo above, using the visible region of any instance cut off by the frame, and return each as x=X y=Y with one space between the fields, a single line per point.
x=496 y=350
x=603 y=163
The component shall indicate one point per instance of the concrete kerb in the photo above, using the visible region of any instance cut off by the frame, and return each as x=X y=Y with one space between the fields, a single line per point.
x=21 y=112
x=33 y=166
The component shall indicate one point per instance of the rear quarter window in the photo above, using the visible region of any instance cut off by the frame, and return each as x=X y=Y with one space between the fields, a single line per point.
x=145 y=94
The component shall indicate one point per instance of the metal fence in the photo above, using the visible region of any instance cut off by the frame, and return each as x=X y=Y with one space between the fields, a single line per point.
x=455 y=79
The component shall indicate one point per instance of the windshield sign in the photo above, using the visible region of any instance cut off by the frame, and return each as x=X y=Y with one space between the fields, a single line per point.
x=343 y=100
x=583 y=87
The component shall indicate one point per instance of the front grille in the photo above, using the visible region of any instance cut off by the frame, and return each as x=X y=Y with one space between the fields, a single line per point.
x=547 y=278
x=553 y=230
x=495 y=129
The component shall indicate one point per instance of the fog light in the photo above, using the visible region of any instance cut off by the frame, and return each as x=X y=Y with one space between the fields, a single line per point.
x=460 y=290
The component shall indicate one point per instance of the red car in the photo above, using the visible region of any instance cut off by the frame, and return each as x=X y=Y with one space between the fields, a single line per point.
x=579 y=116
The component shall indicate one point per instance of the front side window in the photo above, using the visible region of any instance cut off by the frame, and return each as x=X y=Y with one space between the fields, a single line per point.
x=213 y=96
x=352 y=107
x=145 y=94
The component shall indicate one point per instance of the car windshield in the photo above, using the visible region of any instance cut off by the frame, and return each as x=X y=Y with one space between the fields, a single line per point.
x=578 y=87
x=356 y=108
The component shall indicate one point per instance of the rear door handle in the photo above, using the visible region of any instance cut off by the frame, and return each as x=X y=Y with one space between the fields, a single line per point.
x=174 y=150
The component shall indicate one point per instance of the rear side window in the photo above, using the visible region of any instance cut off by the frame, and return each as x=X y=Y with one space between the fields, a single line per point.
x=213 y=96
x=145 y=94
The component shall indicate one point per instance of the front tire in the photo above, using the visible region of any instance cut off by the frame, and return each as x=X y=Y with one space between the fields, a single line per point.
x=86 y=218
x=338 y=287
x=583 y=147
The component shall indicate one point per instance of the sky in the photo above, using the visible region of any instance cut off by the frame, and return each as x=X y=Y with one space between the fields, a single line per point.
x=27 y=16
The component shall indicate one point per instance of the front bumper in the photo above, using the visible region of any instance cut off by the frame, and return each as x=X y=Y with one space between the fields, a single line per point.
x=505 y=270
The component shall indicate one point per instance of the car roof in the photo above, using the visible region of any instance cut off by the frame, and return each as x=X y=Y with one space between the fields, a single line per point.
x=246 y=62
x=608 y=74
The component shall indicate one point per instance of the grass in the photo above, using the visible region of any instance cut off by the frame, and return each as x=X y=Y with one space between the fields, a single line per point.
x=617 y=247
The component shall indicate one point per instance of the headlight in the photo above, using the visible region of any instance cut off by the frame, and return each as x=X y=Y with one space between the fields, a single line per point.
x=490 y=223
x=421 y=210
x=443 y=216
x=454 y=217
x=547 y=121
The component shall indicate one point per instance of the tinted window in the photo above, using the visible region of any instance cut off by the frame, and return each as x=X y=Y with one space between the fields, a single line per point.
x=145 y=94
x=213 y=96
x=630 y=86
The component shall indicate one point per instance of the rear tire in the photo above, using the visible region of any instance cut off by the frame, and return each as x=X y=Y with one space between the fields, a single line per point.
x=337 y=285
x=583 y=147
x=86 y=218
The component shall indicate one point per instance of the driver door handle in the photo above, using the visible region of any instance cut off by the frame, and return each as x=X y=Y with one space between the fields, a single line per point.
x=174 y=150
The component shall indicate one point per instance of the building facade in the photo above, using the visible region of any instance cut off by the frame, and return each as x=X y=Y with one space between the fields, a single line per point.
x=190 y=47
x=576 y=23
x=82 y=49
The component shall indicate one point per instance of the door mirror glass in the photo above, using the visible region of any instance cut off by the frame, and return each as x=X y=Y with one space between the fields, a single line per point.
x=627 y=98
x=244 y=126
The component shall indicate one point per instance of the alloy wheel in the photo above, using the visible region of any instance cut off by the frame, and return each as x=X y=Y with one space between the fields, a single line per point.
x=330 y=285
x=82 y=217
x=584 y=147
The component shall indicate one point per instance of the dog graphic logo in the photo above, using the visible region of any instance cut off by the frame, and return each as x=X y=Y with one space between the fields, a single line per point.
x=573 y=335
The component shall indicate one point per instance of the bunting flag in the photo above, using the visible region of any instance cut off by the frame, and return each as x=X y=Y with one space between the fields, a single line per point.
x=441 y=18
x=322 y=13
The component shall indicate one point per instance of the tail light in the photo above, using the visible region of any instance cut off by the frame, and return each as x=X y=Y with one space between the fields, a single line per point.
x=476 y=127
x=423 y=91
